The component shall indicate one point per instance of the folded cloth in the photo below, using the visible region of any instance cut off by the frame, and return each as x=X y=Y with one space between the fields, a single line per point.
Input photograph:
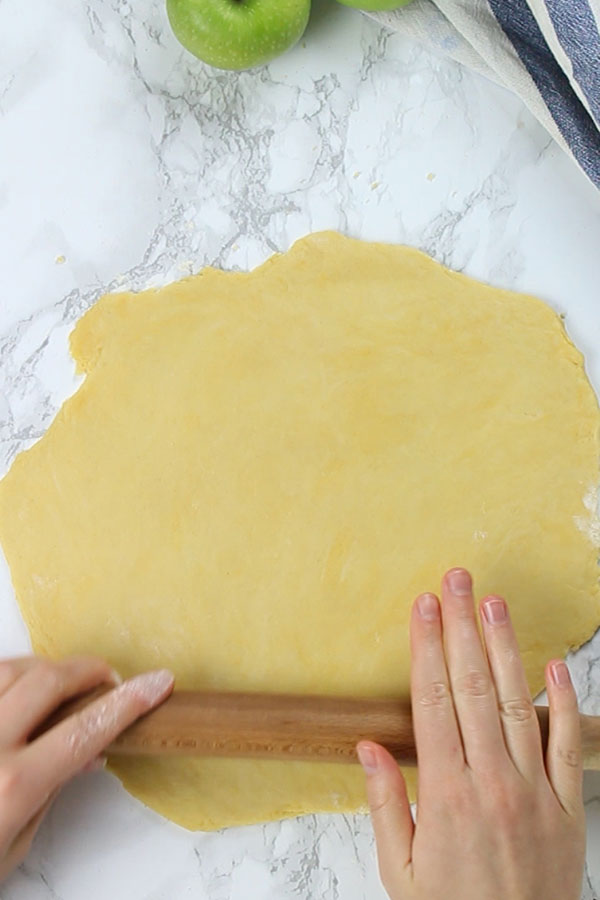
x=546 y=51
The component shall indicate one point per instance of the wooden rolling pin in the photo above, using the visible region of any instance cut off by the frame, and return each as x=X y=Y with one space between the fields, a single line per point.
x=281 y=726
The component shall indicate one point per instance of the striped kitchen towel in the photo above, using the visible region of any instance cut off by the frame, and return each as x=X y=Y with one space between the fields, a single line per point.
x=547 y=51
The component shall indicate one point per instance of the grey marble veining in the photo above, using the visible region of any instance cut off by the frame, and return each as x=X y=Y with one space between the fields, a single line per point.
x=124 y=163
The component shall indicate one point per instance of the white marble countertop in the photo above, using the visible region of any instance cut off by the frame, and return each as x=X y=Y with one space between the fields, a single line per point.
x=124 y=162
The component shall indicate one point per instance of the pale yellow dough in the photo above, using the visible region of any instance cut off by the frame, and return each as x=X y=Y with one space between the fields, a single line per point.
x=261 y=470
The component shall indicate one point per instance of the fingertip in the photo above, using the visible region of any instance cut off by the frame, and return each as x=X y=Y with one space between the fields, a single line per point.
x=425 y=625
x=376 y=760
x=367 y=753
x=494 y=610
x=151 y=688
x=114 y=678
x=97 y=669
x=427 y=607
x=558 y=677
x=384 y=777
x=458 y=581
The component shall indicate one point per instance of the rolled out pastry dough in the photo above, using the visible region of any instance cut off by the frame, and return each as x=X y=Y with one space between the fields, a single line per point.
x=261 y=470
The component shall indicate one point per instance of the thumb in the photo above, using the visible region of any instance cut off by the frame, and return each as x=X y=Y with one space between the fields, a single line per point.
x=390 y=814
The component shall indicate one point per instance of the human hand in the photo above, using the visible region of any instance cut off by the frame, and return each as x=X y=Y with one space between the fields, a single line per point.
x=494 y=820
x=32 y=772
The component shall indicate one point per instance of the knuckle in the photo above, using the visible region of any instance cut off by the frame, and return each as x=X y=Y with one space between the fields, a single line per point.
x=510 y=800
x=457 y=801
x=380 y=802
x=474 y=684
x=504 y=803
x=463 y=609
x=434 y=695
x=89 y=662
x=51 y=675
x=519 y=710
x=93 y=727
x=571 y=757
x=79 y=736
x=506 y=813
x=9 y=671
x=10 y=782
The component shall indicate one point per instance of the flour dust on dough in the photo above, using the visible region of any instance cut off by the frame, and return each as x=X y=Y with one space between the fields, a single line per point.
x=261 y=470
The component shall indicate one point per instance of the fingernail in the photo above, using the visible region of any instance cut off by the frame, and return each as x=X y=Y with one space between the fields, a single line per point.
x=459 y=582
x=560 y=674
x=428 y=607
x=115 y=678
x=495 y=611
x=151 y=686
x=368 y=759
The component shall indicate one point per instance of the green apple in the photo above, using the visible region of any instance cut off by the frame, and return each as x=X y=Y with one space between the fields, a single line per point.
x=238 y=34
x=375 y=5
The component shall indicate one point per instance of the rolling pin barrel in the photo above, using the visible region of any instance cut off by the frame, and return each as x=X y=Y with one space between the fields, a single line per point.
x=283 y=726
x=273 y=726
